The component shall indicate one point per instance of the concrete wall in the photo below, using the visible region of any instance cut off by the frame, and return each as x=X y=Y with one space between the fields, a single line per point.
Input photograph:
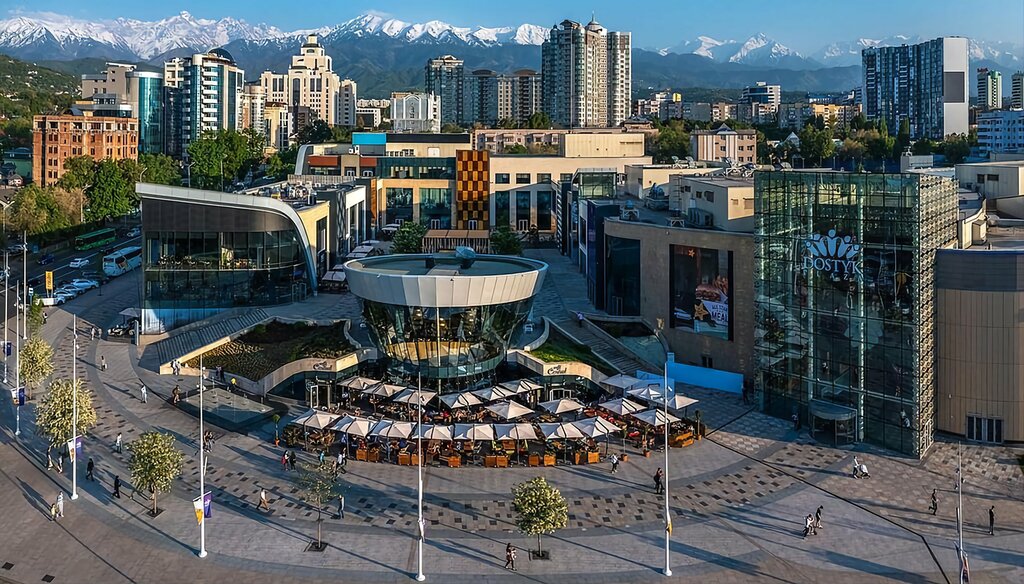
x=1008 y=184
x=980 y=339
x=736 y=355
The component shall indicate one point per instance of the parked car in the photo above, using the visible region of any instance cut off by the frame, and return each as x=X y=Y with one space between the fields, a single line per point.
x=56 y=300
x=16 y=248
x=84 y=283
x=122 y=330
x=135 y=232
x=69 y=290
x=46 y=258
x=79 y=263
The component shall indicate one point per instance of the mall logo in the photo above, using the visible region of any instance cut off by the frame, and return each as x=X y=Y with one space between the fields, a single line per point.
x=833 y=254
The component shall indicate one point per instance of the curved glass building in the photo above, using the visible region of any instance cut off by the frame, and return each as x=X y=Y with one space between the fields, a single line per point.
x=446 y=315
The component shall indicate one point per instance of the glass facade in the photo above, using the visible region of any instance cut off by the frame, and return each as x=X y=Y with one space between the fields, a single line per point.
x=189 y=275
x=844 y=301
x=597 y=184
x=150 y=114
x=523 y=221
x=446 y=342
x=622 y=261
x=436 y=208
x=398 y=204
x=413 y=167
x=544 y=199
x=502 y=215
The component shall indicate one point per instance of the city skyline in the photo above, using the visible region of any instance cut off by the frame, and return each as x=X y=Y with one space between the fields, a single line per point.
x=914 y=18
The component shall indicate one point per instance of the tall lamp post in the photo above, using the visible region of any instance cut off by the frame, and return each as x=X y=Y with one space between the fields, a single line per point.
x=74 y=407
x=668 y=517
x=419 y=475
x=7 y=273
x=202 y=465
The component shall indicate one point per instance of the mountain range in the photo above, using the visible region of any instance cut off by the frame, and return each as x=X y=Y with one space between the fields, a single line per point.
x=384 y=54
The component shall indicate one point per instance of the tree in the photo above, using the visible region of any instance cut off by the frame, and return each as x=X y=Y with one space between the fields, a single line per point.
x=515 y=149
x=672 y=140
x=70 y=203
x=504 y=241
x=55 y=417
x=111 y=193
x=36 y=359
x=922 y=147
x=29 y=214
x=316 y=132
x=451 y=128
x=852 y=149
x=816 y=144
x=154 y=463
x=35 y=316
x=158 y=169
x=956 y=149
x=79 y=173
x=318 y=488
x=540 y=508
x=538 y=121
x=218 y=157
x=409 y=238
x=902 y=138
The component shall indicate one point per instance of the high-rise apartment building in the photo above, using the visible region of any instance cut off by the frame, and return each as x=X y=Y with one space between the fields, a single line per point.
x=492 y=98
x=254 y=101
x=209 y=97
x=527 y=94
x=925 y=84
x=1017 y=90
x=312 y=83
x=141 y=91
x=445 y=77
x=1001 y=131
x=990 y=89
x=587 y=75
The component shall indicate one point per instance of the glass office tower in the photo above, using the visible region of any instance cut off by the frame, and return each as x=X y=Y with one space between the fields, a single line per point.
x=844 y=301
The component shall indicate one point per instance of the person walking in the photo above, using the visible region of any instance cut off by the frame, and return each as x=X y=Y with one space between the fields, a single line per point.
x=284 y=460
x=615 y=463
x=659 y=476
x=263 y=500
x=142 y=392
x=341 y=506
x=103 y=363
x=53 y=511
x=89 y=468
x=342 y=460
x=323 y=457
x=992 y=520
x=856 y=468
x=117 y=486
x=92 y=333
x=817 y=518
x=934 y=507
x=510 y=557
x=291 y=459
x=117 y=443
x=60 y=504
x=808 y=524
x=579 y=319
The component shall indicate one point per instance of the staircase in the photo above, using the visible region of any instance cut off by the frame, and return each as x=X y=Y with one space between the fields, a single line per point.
x=623 y=362
x=197 y=335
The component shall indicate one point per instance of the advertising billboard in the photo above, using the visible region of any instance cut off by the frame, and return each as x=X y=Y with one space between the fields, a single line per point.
x=700 y=290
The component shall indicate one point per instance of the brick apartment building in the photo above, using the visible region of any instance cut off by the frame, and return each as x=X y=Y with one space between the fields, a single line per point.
x=55 y=138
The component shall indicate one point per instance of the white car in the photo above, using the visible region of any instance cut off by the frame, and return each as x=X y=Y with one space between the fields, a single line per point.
x=57 y=299
x=69 y=290
x=84 y=284
x=135 y=232
x=79 y=263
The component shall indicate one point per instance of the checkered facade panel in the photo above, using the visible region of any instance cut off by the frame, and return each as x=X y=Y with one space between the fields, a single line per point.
x=472 y=188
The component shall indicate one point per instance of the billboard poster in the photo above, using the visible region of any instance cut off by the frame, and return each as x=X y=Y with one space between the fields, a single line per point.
x=701 y=289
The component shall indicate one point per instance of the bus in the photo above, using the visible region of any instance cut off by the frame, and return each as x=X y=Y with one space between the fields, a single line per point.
x=95 y=239
x=122 y=261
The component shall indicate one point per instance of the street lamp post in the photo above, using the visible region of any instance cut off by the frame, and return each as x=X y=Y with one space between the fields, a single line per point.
x=419 y=475
x=668 y=517
x=202 y=465
x=7 y=273
x=74 y=407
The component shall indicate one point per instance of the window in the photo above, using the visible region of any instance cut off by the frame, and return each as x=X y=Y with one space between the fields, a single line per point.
x=523 y=209
x=710 y=196
x=706 y=361
x=501 y=178
x=472 y=224
x=565 y=177
x=502 y=213
x=522 y=178
x=543 y=177
x=544 y=210
x=993 y=178
x=984 y=429
x=981 y=179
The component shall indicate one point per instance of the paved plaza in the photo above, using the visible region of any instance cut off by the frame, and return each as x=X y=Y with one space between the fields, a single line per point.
x=738 y=498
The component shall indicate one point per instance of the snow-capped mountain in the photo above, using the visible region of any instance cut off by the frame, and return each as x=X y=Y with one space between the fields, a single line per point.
x=756 y=50
x=57 y=37
x=841 y=54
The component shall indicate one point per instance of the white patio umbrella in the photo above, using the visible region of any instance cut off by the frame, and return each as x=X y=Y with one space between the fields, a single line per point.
x=514 y=432
x=597 y=426
x=473 y=432
x=316 y=419
x=678 y=402
x=621 y=382
x=354 y=425
x=621 y=406
x=563 y=430
x=654 y=417
x=648 y=392
x=357 y=382
x=392 y=429
x=383 y=389
x=561 y=406
x=408 y=396
x=492 y=393
x=460 y=400
x=432 y=432
x=509 y=410
x=521 y=385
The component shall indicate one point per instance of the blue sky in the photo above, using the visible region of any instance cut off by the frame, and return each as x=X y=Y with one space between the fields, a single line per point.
x=805 y=25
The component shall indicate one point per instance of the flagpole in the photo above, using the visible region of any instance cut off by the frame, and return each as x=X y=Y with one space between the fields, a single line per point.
x=202 y=466
x=668 y=517
x=74 y=407
x=419 y=473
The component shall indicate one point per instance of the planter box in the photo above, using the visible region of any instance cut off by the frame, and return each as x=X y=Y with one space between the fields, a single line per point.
x=549 y=460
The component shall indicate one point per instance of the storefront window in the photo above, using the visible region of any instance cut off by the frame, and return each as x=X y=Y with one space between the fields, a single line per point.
x=436 y=208
x=398 y=202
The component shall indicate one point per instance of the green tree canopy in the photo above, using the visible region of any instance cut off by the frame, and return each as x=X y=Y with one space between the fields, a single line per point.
x=451 y=128
x=218 y=158
x=55 y=413
x=79 y=173
x=409 y=238
x=816 y=145
x=36 y=359
x=154 y=463
x=672 y=139
x=538 y=121
x=540 y=509
x=316 y=132
x=956 y=148
x=159 y=169
x=111 y=195
x=504 y=241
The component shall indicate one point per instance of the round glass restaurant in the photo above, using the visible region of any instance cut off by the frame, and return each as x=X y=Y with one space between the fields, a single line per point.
x=444 y=316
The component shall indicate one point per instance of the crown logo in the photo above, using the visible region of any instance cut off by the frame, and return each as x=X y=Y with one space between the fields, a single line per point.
x=832 y=246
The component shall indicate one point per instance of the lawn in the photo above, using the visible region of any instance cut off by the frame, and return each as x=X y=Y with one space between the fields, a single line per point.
x=260 y=351
x=559 y=348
